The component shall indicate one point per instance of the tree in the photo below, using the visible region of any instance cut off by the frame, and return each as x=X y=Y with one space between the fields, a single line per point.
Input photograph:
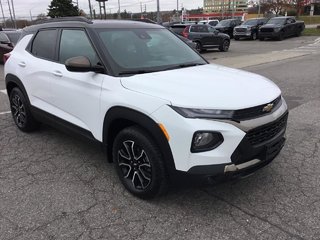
x=62 y=8
x=276 y=6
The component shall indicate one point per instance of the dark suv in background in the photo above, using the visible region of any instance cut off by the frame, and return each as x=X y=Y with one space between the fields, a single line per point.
x=206 y=37
x=227 y=26
x=8 y=39
x=249 y=28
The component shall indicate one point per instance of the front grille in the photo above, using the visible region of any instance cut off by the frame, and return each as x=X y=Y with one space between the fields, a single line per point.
x=267 y=132
x=240 y=29
x=266 y=29
x=254 y=112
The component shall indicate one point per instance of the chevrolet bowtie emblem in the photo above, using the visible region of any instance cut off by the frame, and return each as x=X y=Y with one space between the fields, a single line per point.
x=267 y=108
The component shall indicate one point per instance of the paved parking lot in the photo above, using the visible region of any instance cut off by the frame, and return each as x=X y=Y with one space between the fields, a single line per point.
x=55 y=186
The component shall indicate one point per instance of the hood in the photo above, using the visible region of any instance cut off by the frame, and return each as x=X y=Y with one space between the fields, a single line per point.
x=221 y=27
x=208 y=86
x=244 y=26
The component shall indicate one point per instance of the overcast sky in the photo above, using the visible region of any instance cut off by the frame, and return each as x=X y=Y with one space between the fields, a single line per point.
x=23 y=7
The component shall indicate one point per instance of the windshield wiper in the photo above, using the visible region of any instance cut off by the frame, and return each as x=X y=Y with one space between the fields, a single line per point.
x=184 y=66
x=133 y=72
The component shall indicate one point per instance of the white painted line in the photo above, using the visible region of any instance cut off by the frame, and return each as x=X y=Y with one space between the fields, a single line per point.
x=4 y=91
x=3 y=113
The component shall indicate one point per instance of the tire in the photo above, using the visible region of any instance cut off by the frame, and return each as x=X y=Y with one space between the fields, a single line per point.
x=281 y=36
x=139 y=164
x=236 y=38
x=224 y=47
x=198 y=46
x=254 y=36
x=261 y=38
x=21 y=113
x=298 y=34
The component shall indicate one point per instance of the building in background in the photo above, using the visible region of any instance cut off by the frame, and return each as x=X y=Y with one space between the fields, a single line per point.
x=224 y=6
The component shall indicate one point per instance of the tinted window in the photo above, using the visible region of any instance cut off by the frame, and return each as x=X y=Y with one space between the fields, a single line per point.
x=75 y=43
x=44 y=44
x=194 y=29
x=14 y=36
x=3 y=37
x=199 y=28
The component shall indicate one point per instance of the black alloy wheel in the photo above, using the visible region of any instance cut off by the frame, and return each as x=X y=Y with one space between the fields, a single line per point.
x=281 y=36
x=254 y=36
x=20 y=111
x=139 y=163
x=224 y=47
x=198 y=46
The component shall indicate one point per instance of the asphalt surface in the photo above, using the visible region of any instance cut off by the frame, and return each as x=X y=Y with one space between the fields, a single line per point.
x=54 y=186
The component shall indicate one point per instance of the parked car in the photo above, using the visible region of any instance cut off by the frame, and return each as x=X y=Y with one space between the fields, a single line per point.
x=178 y=28
x=153 y=103
x=8 y=39
x=206 y=37
x=227 y=26
x=187 y=41
x=249 y=28
x=212 y=22
x=280 y=28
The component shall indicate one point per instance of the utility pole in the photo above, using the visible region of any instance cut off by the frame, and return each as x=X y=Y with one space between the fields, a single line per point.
x=14 y=15
x=10 y=12
x=158 y=12
x=141 y=10
x=119 y=11
x=30 y=15
x=259 y=9
x=90 y=7
x=4 y=19
x=177 y=5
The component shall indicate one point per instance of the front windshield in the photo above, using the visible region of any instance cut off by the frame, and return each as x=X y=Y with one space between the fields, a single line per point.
x=250 y=22
x=146 y=50
x=277 y=21
x=224 y=23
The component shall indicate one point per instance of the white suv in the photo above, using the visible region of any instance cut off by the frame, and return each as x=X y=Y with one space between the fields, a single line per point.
x=155 y=104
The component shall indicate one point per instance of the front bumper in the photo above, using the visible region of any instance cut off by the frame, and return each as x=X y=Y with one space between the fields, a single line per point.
x=237 y=151
x=268 y=34
x=246 y=34
x=248 y=158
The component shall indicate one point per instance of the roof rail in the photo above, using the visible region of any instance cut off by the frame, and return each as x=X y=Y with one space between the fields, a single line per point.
x=64 y=19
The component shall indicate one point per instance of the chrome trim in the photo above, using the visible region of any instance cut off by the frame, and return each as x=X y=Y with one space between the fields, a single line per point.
x=234 y=168
x=247 y=125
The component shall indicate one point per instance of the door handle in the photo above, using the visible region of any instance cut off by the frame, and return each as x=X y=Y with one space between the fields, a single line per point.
x=22 y=64
x=57 y=73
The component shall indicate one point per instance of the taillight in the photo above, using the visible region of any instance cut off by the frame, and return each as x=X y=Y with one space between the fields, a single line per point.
x=6 y=57
x=185 y=32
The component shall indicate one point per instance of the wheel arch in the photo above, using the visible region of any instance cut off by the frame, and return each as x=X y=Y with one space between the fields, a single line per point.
x=118 y=118
x=13 y=81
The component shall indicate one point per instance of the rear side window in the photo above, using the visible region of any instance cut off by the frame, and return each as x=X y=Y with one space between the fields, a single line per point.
x=194 y=29
x=44 y=44
x=75 y=43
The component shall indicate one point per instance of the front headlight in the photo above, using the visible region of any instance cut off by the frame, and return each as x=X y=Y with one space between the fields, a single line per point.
x=203 y=113
x=277 y=29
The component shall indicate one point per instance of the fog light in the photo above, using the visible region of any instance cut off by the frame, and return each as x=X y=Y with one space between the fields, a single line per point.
x=205 y=141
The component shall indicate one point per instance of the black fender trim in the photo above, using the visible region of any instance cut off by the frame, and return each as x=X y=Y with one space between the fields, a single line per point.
x=12 y=81
x=126 y=117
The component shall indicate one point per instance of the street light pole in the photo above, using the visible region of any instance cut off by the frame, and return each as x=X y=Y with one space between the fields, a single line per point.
x=90 y=8
x=158 y=11
x=119 y=11
x=14 y=15
x=4 y=19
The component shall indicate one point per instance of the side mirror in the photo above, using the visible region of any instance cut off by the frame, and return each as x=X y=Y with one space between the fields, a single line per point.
x=82 y=64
